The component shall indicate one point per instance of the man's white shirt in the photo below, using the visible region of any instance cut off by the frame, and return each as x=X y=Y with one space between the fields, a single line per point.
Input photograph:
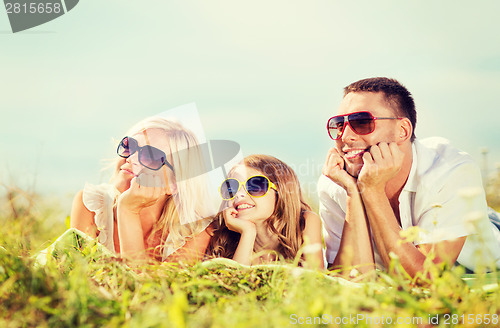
x=443 y=197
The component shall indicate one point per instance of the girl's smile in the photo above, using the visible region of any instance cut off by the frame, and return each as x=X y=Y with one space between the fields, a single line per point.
x=243 y=206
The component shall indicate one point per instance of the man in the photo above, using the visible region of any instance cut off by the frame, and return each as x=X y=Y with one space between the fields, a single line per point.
x=379 y=180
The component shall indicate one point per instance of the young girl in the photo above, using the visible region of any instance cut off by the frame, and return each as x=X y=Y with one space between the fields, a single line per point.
x=264 y=214
x=152 y=208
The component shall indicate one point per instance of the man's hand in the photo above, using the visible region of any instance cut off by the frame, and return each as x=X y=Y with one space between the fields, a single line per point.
x=380 y=165
x=334 y=169
x=145 y=190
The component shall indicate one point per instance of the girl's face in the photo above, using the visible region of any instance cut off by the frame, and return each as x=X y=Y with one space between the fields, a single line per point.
x=254 y=209
x=128 y=168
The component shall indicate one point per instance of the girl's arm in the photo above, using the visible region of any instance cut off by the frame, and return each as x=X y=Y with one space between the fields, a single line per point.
x=244 y=251
x=313 y=250
x=81 y=218
x=248 y=232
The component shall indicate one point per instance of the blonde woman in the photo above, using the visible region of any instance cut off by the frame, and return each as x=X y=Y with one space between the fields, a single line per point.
x=264 y=216
x=155 y=205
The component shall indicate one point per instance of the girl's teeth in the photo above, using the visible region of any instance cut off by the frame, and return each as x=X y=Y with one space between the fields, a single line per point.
x=243 y=206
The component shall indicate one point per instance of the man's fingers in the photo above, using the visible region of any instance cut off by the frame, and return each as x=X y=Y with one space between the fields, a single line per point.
x=396 y=153
x=334 y=159
x=330 y=156
x=376 y=152
x=384 y=149
x=368 y=158
x=387 y=154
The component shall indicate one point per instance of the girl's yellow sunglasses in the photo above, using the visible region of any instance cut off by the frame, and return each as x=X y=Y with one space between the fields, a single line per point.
x=256 y=186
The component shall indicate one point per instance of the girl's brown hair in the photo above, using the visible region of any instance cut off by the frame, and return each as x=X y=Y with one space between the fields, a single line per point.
x=287 y=221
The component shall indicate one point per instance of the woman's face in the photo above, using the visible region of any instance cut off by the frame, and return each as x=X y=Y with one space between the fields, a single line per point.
x=128 y=168
x=254 y=209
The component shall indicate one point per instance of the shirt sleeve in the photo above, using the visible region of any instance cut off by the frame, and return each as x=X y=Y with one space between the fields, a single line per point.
x=453 y=206
x=331 y=210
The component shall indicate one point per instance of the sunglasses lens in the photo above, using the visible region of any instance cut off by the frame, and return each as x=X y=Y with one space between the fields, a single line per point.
x=257 y=186
x=229 y=188
x=335 y=127
x=127 y=147
x=152 y=157
x=362 y=123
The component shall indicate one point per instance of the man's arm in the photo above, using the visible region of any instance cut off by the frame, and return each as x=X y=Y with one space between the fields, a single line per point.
x=381 y=164
x=386 y=234
x=355 y=245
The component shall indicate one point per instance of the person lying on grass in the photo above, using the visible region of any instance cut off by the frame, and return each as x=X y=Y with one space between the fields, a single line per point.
x=264 y=216
x=379 y=180
x=147 y=211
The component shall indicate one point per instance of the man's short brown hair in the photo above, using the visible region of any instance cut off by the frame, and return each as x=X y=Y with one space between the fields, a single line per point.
x=396 y=95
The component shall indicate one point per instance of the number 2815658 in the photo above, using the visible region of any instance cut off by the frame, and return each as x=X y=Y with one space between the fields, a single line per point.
x=33 y=8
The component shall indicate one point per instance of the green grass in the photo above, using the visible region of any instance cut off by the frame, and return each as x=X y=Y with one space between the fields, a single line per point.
x=87 y=288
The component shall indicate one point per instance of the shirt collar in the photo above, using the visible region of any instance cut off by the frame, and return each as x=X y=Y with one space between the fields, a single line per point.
x=411 y=182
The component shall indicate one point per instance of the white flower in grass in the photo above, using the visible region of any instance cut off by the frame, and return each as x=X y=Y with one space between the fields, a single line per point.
x=411 y=234
x=472 y=220
x=296 y=272
x=470 y=192
x=393 y=256
x=354 y=273
x=312 y=248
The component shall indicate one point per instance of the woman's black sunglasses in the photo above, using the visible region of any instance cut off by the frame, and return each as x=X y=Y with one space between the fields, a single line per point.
x=150 y=157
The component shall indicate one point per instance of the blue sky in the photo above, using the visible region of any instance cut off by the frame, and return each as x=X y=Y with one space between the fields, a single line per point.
x=267 y=74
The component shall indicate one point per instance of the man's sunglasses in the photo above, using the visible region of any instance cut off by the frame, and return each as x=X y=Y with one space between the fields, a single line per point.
x=150 y=157
x=256 y=186
x=360 y=122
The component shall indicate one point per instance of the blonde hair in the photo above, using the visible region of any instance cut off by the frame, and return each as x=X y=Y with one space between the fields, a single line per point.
x=185 y=211
x=287 y=221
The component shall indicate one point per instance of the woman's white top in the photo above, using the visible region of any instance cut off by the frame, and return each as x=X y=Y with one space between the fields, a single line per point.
x=100 y=200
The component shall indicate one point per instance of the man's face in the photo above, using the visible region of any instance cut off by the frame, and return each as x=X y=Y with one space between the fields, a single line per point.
x=351 y=145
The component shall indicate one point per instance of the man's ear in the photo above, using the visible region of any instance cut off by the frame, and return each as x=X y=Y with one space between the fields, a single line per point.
x=405 y=130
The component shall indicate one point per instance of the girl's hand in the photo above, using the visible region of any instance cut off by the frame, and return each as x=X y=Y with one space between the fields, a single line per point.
x=238 y=225
x=145 y=190
x=248 y=232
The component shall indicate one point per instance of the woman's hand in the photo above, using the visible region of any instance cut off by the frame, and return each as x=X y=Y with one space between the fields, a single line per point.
x=145 y=190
